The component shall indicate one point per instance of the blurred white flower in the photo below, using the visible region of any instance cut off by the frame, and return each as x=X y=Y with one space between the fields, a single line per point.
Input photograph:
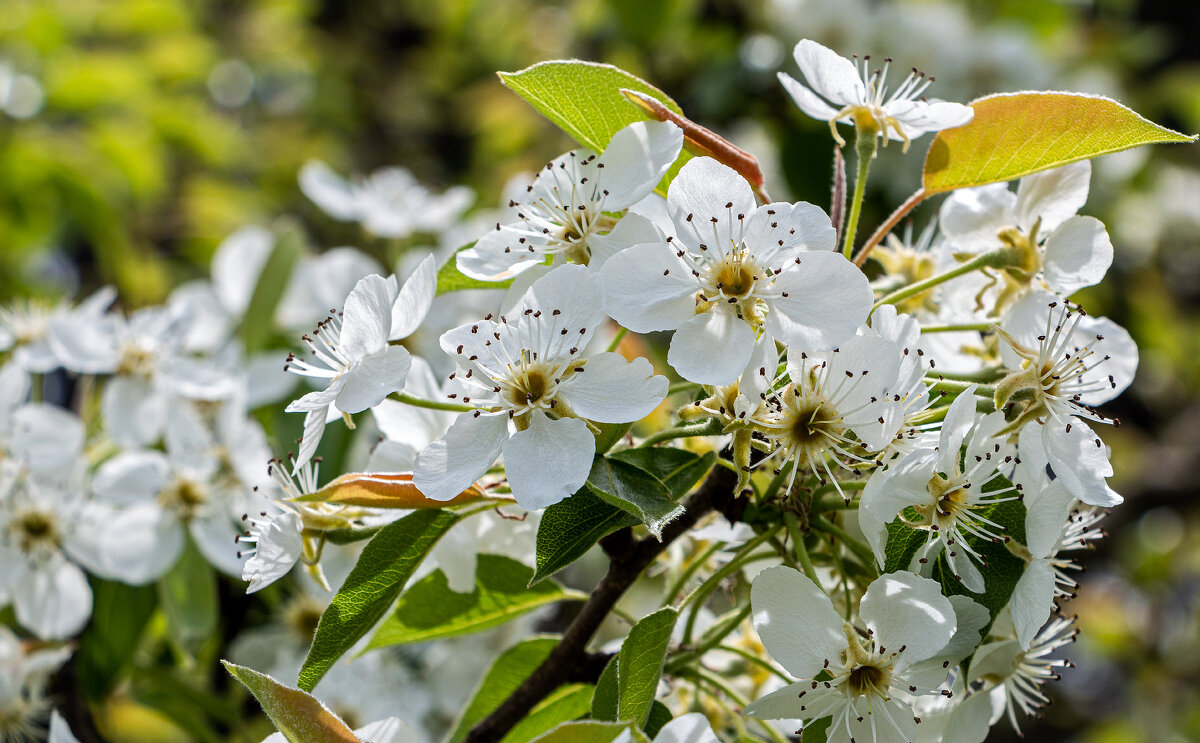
x=23 y=700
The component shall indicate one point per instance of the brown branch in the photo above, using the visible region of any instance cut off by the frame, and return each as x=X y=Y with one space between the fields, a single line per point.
x=889 y=225
x=559 y=667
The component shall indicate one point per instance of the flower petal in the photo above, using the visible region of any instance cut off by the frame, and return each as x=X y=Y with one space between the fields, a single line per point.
x=373 y=379
x=414 y=299
x=367 y=317
x=276 y=552
x=829 y=74
x=131 y=477
x=45 y=436
x=705 y=200
x=54 y=600
x=796 y=622
x=548 y=461
x=712 y=348
x=690 y=728
x=633 y=229
x=637 y=157
x=454 y=462
x=906 y=610
x=1032 y=599
x=613 y=390
x=501 y=253
x=825 y=299
x=971 y=217
x=808 y=101
x=780 y=232
x=238 y=264
x=647 y=287
x=103 y=543
x=1052 y=196
x=329 y=191
x=134 y=412
x=1080 y=461
x=1078 y=254
x=574 y=300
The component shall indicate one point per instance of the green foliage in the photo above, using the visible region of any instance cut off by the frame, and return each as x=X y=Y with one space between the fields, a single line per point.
x=604 y=699
x=119 y=617
x=272 y=282
x=660 y=714
x=568 y=702
x=299 y=716
x=386 y=563
x=450 y=279
x=569 y=528
x=1015 y=134
x=188 y=596
x=591 y=731
x=634 y=490
x=640 y=664
x=506 y=673
x=430 y=610
x=678 y=469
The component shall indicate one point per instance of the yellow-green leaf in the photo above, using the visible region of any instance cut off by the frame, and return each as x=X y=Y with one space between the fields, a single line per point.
x=299 y=716
x=382 y=490
x=1015 y=134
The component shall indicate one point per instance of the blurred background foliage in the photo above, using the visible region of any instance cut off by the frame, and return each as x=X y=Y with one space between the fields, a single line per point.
x=136 y=134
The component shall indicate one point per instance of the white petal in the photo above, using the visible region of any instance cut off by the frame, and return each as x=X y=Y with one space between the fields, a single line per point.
x=964 y=569
x=276 y=552
x=392 y=456
x=633 y=229
x=1032 y=599
x=451 y=464
x=391 y=730
x=832 y=76
x=131 y=477
x=613 y=390
x=757 y=377
x=796 y=622
x=329 y=191
x=958 y=421
x=375 y=377
x=367 y=317
x=1080 y=461
x=500 y=254
x=85 y=344
x=780 y=232
x=1115 y=374
x=266 y=381
x=572 y=296
x=53 y=601
x=1047 y=509
x=457 y=554
x=919 y=117
x=827 y=299
x=213 y=534
x=689 y=728
x=784 y=703
x=548 y=461
x=1052 y=195
x=890 y=491
x=970 y=720
x=134 y=412
x=238 y=264
x=970 y=217
x=705 y=190
x=712 y=348
x=636 y=158
x=14 y=388
x=314 y=430
x=136 y=544
x=412 y=304
x=808 y=101
x=906 y=610
x=648 y=288
x=1078 y=254
x=45 y=436
x=60 y=731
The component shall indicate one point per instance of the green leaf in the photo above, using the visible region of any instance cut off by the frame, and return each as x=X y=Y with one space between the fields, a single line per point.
x=430 y=610
x=568 y=702
x=569 y=528
x=591 y=731
x=610 y=434
x=604 y=698
x=188 y=596
x=1015 y=134
x=640 y=664
x=633 y=490
x=259 y=319
x=506 y=673
x=450 y=279
x=1003 y=569
x=815 y=731
x=584 y=100
x=660 y=714
x=678 y=469
x=119 y=616
x=299 y=716
x=372 y=587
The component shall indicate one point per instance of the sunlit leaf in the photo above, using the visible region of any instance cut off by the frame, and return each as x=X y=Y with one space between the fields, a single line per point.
x=299 y=716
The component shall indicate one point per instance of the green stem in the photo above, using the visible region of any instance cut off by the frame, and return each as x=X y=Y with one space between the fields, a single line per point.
x=997 y=258
x=864 y=149
x=957 y=386
x=418 y=402
x=616 y=341
x=754 y=660
x=710 y=427
x=681 y=387
x=982 y=327
x=860 y=550
x=793 y=527
x=697 y=562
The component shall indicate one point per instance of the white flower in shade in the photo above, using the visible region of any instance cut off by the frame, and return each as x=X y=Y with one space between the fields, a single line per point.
x=529 y=372
x=833 y=406
x=353 y=350
x=690 y=728
x=731 y=269
x=1015 y=676
x=40 y=437
x=25 y=327
x=859 y=95
x=24 y=673
x=408 y=429
x=870 y=687
x=910 y=389
x=1064 y=251
x=946 y=486
x=320 y=284
x=39 y=538
x=1055 y=523
x=60 y=731
x=388 y=203
x=511 y=534
x=568 y=209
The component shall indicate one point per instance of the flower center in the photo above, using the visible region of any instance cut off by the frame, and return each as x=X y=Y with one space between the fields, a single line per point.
x=184 y=496
x=812 y=425
x=735 y=276
x=135 y=360
x=868 y=680
x=34 y=530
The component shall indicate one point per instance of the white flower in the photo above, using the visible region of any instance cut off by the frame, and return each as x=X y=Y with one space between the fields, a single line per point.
x=388 y=203
x=320 y=283
x=1017 y=675
x=24 y=673
x=25 y=326
x=834 y=406
x=408 y=429
x=567 y=210
x=1064 y=251
x=909 y=390
x=731 y=269
x=690 y=728
x=529 y=371
x=352 y=350
x=389 y=730
x=860 y=96
x=870 y=687
x=946 y=487
x=38 y=530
